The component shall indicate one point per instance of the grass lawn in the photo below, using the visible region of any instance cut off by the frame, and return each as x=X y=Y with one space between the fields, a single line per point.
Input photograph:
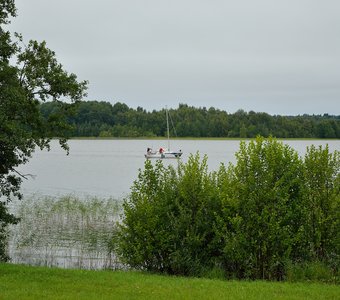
x=25 y=282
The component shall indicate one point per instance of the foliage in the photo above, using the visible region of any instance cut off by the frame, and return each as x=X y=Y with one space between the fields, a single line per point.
x=167 y=219
x=322 y=182
x=35 y=77
x=267 y=182
x=254 y=219
x=94 y=118
x=311 y=271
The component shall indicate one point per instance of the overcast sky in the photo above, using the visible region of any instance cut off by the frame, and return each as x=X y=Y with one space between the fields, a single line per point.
x=275 y=56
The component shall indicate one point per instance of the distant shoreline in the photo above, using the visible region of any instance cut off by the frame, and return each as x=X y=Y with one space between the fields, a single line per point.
x=195 y=138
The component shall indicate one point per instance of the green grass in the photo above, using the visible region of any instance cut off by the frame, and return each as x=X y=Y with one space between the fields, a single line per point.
x=25 y=282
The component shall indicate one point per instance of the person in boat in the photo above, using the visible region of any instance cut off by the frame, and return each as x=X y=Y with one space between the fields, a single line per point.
x=161 y=150
x=149 y=151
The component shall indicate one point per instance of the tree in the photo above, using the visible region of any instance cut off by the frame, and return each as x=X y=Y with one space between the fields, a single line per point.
x=168 y=219
x=322 y=178
x=262 y=204
x=35 y=77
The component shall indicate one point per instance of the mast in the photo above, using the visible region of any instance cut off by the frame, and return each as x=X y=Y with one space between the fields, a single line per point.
x=167 y=126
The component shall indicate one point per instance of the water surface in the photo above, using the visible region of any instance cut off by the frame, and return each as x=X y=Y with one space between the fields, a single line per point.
x=107 y=168
x=71 y=208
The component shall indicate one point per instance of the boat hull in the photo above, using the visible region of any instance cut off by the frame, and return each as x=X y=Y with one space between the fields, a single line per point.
x=164 y=155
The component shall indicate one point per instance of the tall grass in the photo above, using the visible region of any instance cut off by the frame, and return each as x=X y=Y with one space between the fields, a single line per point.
x=312 y=272
x=65 y=231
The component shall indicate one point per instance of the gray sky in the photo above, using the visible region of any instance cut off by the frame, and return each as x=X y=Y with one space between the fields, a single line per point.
x=280 y=57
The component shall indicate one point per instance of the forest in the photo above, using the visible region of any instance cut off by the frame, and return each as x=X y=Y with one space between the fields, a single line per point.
x=103 y=119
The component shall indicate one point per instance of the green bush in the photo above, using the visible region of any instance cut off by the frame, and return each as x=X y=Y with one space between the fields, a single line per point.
x=322 y=182
x=311 y=271
x=263 y=227
x=216 y=272
x=5 y=219
x=168 y=219
x=254 y=219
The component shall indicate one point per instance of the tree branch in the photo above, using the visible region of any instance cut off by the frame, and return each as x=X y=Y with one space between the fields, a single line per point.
x=25 y=176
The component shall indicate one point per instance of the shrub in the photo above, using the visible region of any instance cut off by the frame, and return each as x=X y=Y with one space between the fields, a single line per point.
x=311 y=271
x=322 y=178
x=264 y=224
x=5 y=219
x=262 y=218
x=168 y=219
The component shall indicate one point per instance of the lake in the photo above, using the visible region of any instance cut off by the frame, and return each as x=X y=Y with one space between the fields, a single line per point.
x=70 y=210
x=107 y=168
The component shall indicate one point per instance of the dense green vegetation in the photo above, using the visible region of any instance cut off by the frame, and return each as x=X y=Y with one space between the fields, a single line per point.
x=102 y=119
x=24 y=282
x=271 y=215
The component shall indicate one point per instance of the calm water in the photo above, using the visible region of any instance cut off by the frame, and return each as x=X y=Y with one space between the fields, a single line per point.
x=107 y=168
x=70 y=210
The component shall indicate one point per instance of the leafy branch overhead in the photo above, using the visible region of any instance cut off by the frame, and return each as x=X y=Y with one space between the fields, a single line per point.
x=43 y=77
x=36 y=76
x=7 y=9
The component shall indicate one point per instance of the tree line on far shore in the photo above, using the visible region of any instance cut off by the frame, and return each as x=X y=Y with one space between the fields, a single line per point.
x=103 y=119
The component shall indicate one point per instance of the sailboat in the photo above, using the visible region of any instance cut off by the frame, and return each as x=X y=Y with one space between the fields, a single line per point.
x=164 y=152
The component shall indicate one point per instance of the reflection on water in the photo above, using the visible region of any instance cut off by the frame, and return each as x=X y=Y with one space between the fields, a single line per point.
x=65 y=232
